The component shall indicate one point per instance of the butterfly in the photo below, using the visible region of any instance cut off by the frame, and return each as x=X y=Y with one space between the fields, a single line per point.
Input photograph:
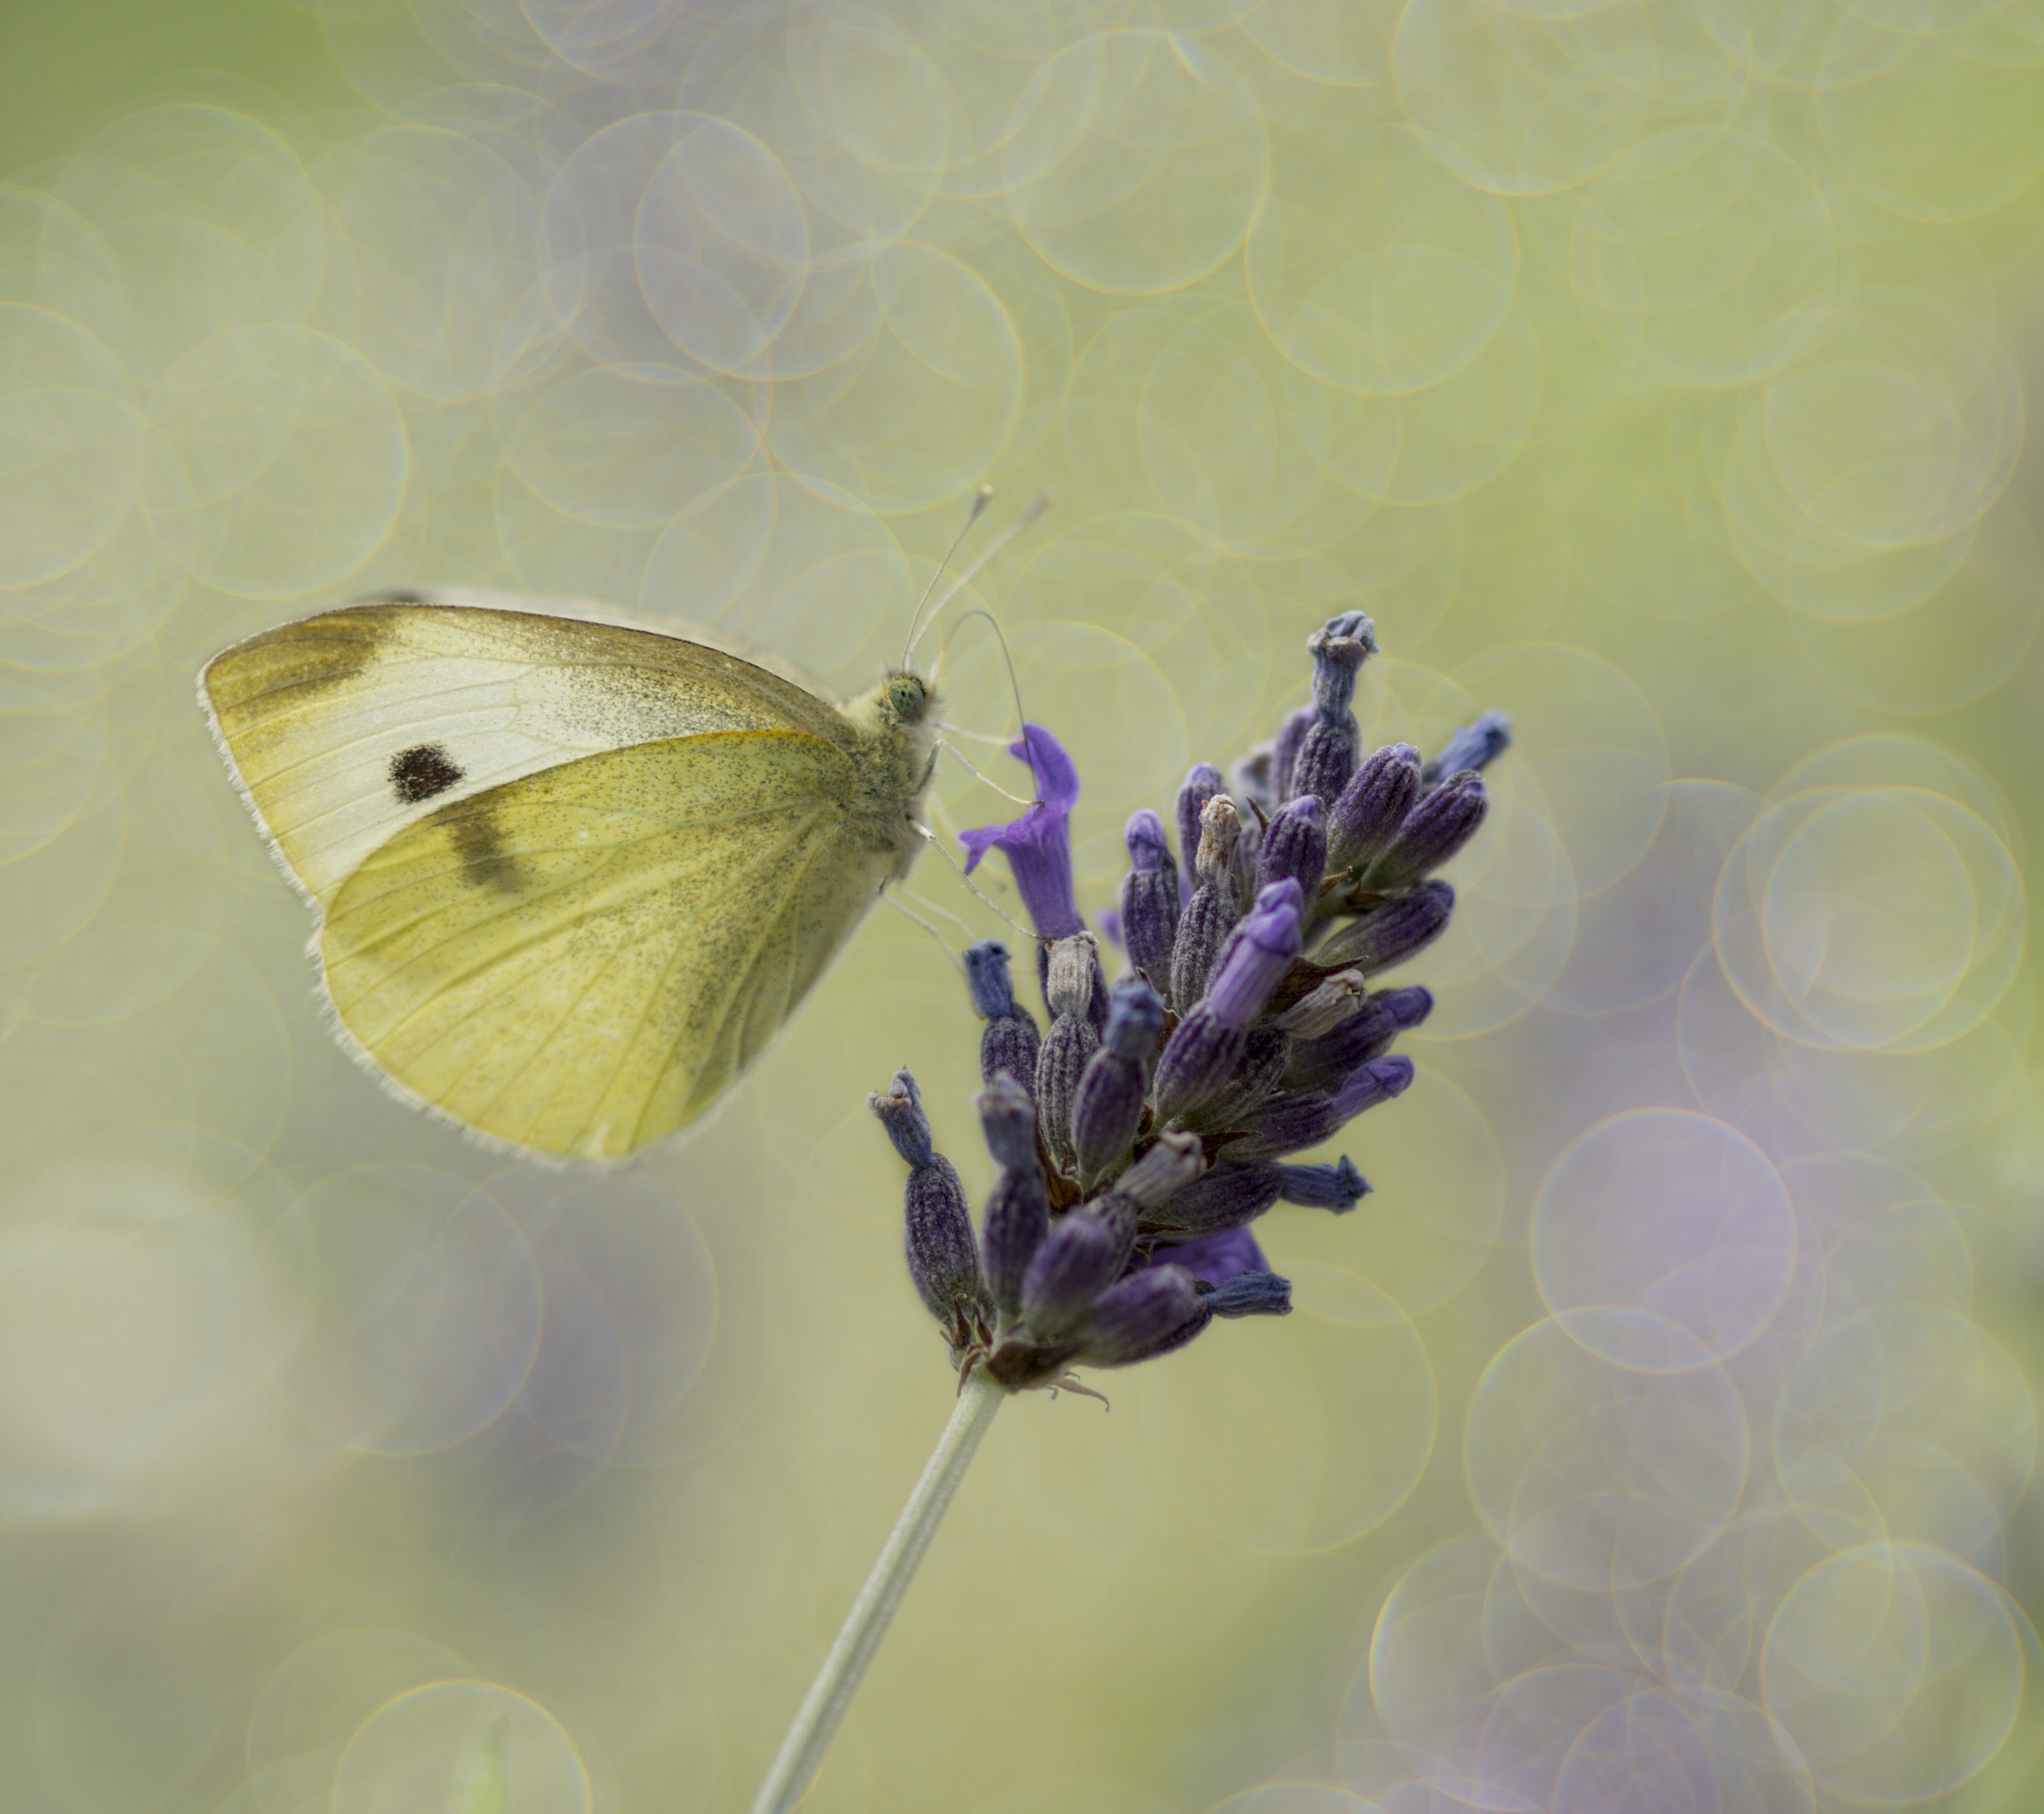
x=571 y=877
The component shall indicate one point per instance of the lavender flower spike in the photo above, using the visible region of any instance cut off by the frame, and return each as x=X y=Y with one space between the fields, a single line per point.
x=1038 y=845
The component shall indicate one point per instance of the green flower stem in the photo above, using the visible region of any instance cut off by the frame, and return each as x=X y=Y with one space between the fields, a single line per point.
x=801 y=1751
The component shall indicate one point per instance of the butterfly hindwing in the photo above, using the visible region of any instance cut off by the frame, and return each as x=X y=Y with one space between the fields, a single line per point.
x=576 y=960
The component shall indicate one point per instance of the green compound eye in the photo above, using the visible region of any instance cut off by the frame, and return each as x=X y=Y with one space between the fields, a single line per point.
x=907 y=696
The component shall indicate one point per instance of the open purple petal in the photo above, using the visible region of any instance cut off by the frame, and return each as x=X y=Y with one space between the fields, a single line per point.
x=1038 y=845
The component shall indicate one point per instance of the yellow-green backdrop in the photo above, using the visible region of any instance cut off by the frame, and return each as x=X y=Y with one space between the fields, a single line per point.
x=1658 y=1436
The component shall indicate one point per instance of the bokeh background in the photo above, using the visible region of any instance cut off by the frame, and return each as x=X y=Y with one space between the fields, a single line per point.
x=1658 y=1437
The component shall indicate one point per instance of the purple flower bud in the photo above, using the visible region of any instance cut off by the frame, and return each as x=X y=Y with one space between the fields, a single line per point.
x=1010 y=1047
x=1323 y=1062
x=1198 y=1059
x=1108 y=1106
x=1373 y=805
x=1038 y=845
x=1472 y=746
x=1258 y=955
x=1306 y=1118
x=1219 y=831
x=1214 y=907
x=1332 y=1000
x=1327 y=759
x=1409 y=1005
x=1254 y=779
x=1147 y=1313
x=1201 y=785
x=1226 y=1195
x=901 y=1113
x=1008 y=1119
x=1376 y=1081
x=1445 y=819
x=1250 y=1294
x=1135 y=1012
x=1295 y=846
x=1210 y=1259
x=1389 y=931
x=1339 y=1188
x=1072 y=1040
x=1018 y=1210
x=943 y=1258
x=1149 y=900
x=1081 y=1256
x=986 y=974
x=1173 y=1161
x=1284 y=756
x=1338 y=648
x=1261 y=1066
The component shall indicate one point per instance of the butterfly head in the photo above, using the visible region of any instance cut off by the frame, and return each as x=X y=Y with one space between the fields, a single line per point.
x=906 y=698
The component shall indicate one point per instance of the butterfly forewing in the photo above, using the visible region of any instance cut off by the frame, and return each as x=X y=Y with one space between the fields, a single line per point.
x=578 y=961
x=348 y=726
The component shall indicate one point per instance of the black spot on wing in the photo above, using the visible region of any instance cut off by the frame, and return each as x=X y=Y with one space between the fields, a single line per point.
x=421 y=772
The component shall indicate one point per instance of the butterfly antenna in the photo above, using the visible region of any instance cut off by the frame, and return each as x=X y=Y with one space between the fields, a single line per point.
x=1014 y=686
x=978 y=773
x=980 y=499
x=1014 y=529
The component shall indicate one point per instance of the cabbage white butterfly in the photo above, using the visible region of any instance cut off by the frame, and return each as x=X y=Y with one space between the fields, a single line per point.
x=571 y=878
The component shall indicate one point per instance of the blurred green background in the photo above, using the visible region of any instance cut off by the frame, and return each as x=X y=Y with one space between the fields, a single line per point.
x=1658 y=1436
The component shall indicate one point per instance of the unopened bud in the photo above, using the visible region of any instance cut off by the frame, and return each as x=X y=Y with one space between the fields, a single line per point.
x=1294 y=847
x=1201 y=785
x=1149 y=899
x=1445 y=820
x=1472 y=746
x=1371 y=807
x=1108 y=1106
x=1389 y=931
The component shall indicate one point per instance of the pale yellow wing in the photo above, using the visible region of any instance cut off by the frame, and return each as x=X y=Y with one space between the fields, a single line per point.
x=346 y=727
x=584 y=959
